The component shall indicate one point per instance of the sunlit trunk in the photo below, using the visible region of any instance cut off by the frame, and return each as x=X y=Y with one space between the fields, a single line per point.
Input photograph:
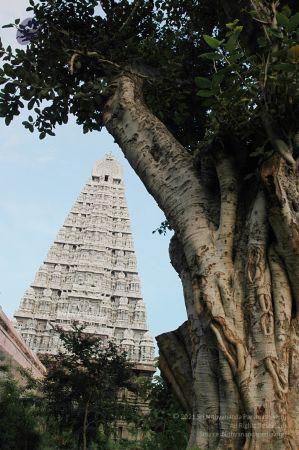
x=235 y=247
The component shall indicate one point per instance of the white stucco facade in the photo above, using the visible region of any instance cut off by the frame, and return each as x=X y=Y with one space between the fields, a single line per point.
x=90 y=274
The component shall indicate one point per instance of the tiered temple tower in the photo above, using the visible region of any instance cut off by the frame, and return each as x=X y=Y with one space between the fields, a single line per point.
x=90 y=275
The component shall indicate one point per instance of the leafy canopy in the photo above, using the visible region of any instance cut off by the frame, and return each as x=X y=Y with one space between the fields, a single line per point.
x=18 y=414
x=255 y=96
x=166 y=424
x=82 y=44
x=239 y=93
x=83 y=383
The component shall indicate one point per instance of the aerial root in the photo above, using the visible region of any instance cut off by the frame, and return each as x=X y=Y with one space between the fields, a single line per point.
x=267 y=323
x=255 y=263
x=223 y=347
x=72 y=62
x=266 y=320
x=280 y=383
x=223 y=334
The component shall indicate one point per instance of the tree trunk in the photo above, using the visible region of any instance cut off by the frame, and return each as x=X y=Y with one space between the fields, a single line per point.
x=85 y=423
x=235 y=248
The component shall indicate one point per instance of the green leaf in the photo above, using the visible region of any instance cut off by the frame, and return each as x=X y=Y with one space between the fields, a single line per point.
x=212 y=42
x=216 y=82
x=44 y=92
x=30 y=118
x=17 y=21
x=232 y=25
x=280 y=54
x=235 y=56
x=212 y=56
x=286 y=10
x=8 y=119
x=276 y=33
x=203 y=83
x=9 y=25
x=10 y=88
x=232 y=43
x=205 y=93
x=208 y=102
x=293 y=23
x=7 y=69
x=42 y=135
x=282 y=20
x=286 y=67
x=31 y=103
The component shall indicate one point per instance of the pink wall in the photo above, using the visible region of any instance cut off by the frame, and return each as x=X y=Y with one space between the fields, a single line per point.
x=13 y=346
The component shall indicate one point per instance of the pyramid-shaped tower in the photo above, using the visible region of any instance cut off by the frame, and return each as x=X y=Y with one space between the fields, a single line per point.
x=90 y=274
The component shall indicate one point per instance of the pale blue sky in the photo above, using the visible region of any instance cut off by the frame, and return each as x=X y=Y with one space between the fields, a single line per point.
x=40 y=181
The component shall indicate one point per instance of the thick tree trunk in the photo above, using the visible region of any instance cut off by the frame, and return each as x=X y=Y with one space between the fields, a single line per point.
x=236 y=250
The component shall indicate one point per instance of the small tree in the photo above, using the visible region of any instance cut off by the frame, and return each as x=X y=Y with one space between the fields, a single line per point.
x=19 y=427
x=83 y=383
x=166 y=425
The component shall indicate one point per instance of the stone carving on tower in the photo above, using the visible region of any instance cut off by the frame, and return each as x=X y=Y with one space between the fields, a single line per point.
x=90 y=274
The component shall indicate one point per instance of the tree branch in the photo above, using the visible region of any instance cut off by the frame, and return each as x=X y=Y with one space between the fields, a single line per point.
x=162 y=163
x=278 y=144
x=101 y=60
x=105 y=7
x=131 y=15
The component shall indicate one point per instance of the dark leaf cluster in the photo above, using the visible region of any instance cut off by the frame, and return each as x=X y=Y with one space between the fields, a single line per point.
x=254 y=96
x=84 y=380
x=79 y=48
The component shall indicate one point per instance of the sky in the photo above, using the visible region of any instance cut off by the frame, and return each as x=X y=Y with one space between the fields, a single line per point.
x=39 y=183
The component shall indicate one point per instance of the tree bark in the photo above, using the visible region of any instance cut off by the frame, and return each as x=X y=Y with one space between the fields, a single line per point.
x=175 y=363
x=235 y=365
x=85 y=423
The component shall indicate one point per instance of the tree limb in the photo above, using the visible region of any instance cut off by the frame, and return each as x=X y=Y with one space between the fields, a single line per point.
x=229 y=202
x=160 y=161
x=101 y=60
x=131 y=15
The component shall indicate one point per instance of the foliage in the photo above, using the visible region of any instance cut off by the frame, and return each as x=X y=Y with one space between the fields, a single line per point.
x=247 y=83
x=163 y=228
x=49 y=414
x=70 y=64
x=82 y=386
x=252 y=95
x=166 y=425
x=18 y=415
x=76 y=53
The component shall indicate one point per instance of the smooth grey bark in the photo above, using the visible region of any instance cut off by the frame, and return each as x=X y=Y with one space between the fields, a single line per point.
x=236 y=252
